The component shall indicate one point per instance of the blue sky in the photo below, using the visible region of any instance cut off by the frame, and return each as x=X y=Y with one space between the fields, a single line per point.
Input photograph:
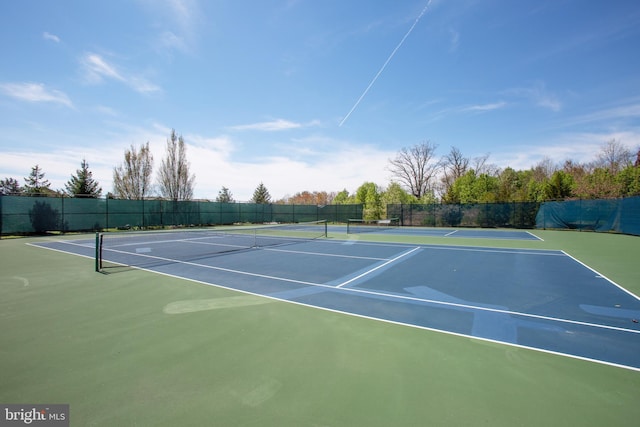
x=312 y=94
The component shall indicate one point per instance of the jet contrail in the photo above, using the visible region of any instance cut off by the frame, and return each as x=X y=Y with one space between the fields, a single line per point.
x=385 y=63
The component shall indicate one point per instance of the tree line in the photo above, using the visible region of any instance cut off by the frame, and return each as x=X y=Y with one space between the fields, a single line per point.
x=454 y=178
x=418 y=176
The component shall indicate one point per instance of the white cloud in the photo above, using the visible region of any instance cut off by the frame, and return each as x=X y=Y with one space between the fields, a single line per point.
x=466 y=109
x=170 y=40
x=274 y=125
x=51 y=37
x=627 y=109
x=454 y=41
x=97 y=69
x=223 y=144
x=184 y=17
x=539 y=95
x=183 y=11
x=35 y=92
x=142 y=85
x=481 y=108
x=106 y=111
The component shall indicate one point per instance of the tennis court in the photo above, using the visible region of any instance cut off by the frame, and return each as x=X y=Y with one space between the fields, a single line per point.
x=538 y=299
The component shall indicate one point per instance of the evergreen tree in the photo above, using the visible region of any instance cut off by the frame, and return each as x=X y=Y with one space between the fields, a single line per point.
x=343 y=198
x=559 y=186
x=35 y=182
x=82 y=183
x=9 y=186
x=224 y=196
x=261 y=195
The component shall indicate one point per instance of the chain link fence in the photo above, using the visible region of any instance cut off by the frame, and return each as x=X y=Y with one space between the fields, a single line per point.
x=508 y=215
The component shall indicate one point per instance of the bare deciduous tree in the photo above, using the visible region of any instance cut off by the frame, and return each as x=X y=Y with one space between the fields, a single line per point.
x=174 y=180
x=454 y=165
x=482 y=166
x=415 y=168
x=132 y=179
x=544 y=169
x=614 y=156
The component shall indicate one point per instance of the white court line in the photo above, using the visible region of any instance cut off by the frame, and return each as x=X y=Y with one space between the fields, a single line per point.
x=449 y=234
x=379 y=267
x=87 y=245
x=539 y=238
x=542 y=252
x=323 y=254
x=90 y=245
x=603 y=276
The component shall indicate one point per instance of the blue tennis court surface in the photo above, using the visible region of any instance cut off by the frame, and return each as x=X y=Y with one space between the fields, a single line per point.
x=538 y=299
x=462 y=233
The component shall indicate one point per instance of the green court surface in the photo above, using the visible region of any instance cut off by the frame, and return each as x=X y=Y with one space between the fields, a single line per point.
x=133 y=348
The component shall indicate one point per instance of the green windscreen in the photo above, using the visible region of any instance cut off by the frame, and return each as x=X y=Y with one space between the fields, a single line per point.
x=25 y=214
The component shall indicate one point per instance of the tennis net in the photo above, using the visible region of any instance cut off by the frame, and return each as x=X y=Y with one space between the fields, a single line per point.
x=143 y=248
x=371 y=225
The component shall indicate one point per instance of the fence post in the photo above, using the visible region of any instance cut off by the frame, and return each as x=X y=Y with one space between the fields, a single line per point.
x=411 y=213
x=580 y=216
x=106 y=213
x=61 y=225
